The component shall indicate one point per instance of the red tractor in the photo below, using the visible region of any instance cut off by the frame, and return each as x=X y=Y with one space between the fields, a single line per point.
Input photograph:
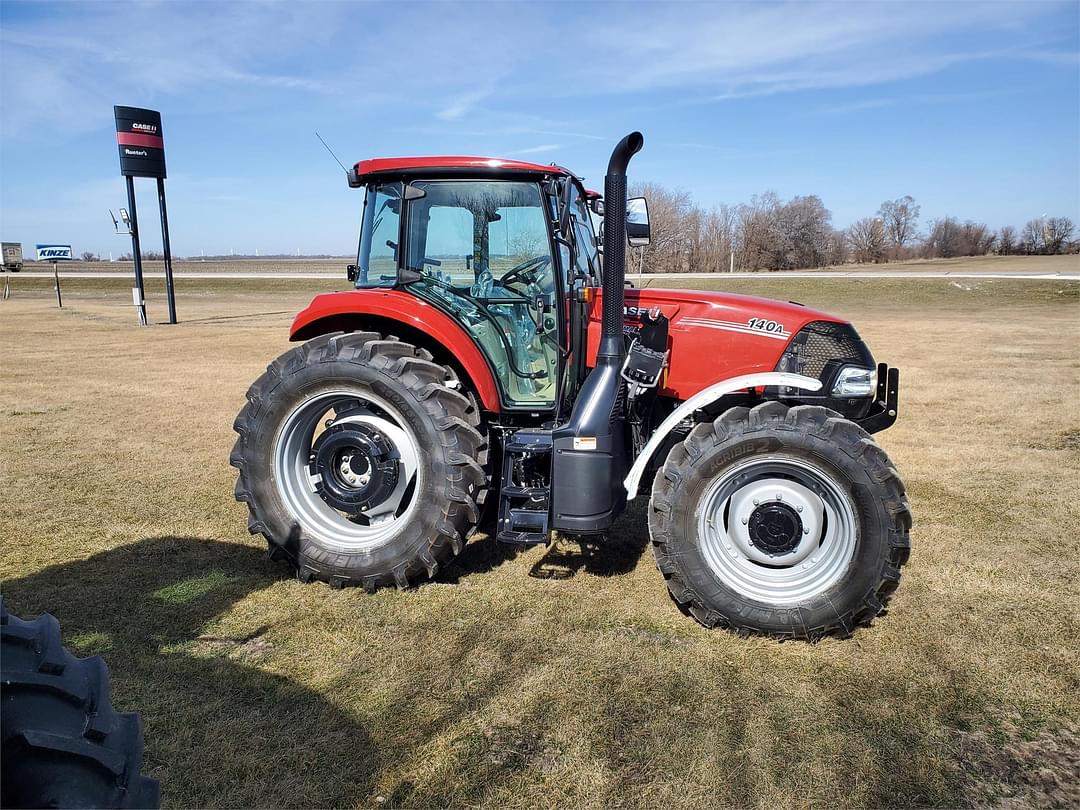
x=486 y=363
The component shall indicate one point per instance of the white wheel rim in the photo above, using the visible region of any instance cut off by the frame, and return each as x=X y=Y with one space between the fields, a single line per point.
x=296 y=485
x=779 y=575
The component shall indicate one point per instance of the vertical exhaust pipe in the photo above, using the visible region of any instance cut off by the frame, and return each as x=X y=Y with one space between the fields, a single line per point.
x=591 y=458
x=611 y=334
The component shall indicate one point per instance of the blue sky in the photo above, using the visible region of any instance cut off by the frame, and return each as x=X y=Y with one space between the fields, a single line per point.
x=973 y=108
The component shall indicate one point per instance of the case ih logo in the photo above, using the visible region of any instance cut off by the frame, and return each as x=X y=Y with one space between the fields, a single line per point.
x=139 y=141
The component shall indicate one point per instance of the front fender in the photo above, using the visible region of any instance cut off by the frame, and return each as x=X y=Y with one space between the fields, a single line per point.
x=701 y=399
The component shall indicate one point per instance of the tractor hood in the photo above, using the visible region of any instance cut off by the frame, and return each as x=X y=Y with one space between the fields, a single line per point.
x=714 y=335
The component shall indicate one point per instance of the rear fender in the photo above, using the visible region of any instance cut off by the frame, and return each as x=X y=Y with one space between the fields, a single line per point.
x=702 y=399
x=412 y=320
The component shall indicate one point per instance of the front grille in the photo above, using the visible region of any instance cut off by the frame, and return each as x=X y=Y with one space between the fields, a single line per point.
x=820 y=343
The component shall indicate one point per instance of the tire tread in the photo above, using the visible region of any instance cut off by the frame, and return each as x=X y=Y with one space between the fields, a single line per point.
x=454 y=414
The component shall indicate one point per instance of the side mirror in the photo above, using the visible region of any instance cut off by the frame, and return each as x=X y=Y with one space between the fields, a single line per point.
x=596 y=205
x=637 y=222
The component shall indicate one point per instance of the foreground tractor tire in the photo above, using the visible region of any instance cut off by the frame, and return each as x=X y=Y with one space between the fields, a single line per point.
x=789 y=522
x=359 y=461
x=63 y=745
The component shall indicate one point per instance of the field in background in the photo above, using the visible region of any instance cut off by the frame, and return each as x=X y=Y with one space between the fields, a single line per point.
x=561 y=676
x=969 y=264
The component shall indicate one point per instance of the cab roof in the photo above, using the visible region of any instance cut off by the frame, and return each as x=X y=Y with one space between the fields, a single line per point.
x=455 y=163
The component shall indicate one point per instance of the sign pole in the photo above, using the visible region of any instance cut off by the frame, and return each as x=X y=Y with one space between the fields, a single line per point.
x=140 y=303
x=167 y=250
x=56 y=278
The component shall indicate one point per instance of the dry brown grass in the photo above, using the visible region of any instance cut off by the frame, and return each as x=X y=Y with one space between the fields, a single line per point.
x=560 y=677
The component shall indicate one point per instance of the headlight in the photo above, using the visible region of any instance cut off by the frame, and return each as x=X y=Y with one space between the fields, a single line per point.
x=853 y=381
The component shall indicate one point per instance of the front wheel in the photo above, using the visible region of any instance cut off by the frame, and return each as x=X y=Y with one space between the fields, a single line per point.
x=789 y=522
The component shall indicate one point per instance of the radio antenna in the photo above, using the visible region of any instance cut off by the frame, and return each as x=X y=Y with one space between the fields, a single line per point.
x=331 y=151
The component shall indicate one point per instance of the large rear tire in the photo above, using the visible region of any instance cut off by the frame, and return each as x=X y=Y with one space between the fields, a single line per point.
x=789 y=522
x=359 y=461
x=63 y=744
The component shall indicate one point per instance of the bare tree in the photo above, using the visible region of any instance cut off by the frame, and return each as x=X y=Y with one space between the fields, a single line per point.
x=944 y=239
x=867 y=238
x=804 y=227
x=756 y=230
x=1056 y=233
x=712 y=239
x=87 y=256
x=1007 y=240
x=949 y=238
x=839 y=251
x=669 y=247
x=900 y=218
x=1034 y=236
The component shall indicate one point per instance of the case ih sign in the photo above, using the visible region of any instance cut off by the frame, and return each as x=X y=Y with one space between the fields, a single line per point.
x=54 y=253
x=139 y=137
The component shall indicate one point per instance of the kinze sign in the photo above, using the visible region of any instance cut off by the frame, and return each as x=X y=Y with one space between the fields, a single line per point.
x=53 y=253
x=139 y=137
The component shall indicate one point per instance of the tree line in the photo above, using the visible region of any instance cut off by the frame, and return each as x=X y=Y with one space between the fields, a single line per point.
x=769 y=233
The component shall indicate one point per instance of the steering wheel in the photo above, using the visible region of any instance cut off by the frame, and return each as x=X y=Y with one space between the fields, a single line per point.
x=521 y=272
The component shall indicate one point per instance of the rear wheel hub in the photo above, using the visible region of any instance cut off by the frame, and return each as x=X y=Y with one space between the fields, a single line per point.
x=355 y=467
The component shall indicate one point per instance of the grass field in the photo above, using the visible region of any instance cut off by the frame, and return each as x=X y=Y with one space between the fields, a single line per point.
x=561 y=676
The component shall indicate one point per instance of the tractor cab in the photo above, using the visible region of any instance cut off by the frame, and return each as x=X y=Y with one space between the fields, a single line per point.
x=505 y=248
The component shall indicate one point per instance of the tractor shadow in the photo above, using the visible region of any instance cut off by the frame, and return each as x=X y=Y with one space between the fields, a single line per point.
x=219 y=730
x=482 y=553
x=615 y=554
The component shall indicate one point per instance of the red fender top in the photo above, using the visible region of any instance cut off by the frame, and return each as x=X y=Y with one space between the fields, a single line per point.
x=415 y=312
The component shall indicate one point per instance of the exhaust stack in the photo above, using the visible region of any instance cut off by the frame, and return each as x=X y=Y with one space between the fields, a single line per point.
x=611 y=334
x=591 y=459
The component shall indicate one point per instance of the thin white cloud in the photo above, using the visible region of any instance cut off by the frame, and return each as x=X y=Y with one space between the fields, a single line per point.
x=536 y=150
x=882 y=102
x=461 y=105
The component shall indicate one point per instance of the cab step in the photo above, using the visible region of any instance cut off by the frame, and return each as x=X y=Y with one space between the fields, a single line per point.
x=525 y=495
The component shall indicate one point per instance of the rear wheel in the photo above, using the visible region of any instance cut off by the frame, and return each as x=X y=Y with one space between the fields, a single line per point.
x=359 y=461
x=790 y=522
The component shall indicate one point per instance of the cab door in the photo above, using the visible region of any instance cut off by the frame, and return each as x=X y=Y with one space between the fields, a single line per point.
x=482 y=251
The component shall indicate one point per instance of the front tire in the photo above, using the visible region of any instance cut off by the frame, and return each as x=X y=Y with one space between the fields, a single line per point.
x=789 y=522
x=359 y=462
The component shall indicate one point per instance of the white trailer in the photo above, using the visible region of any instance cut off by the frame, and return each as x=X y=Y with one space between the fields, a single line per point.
x=13 y=259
